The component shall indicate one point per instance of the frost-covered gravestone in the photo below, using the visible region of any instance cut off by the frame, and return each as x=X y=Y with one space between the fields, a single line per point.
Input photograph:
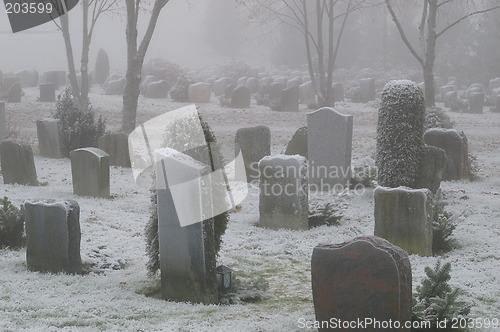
x=402 y=218
x=3 y=124
x=476 y=101
x=157 y=89
x=47 y=92
x=338 y=91
x=90 y=172
x=307 y=94
x=298 y=143
x=241 y=97
x=220 y=86
x=497 y=109
x=283 y=200
x=329 y=145
x=454 y=143
x=290 y=99
x=15 y=93
x=253 y=84
x=199 y=92
x=144 y=84
x=432 y=168
x=53 y=236
x=18 y=164
x=366 y=277
x=254 y=143
x=49 y=138
x=275 y=90
x=367 y=89
x=400 y=134
x=115 y=87
x=187 y=252
x=116 y=145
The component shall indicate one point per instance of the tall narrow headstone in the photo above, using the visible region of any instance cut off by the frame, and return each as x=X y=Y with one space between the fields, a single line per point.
x=18 y=164
x=116 y=145
x=47 y=92
x=367 y=89
x=53 y=236
x=307 y=94
x=187 y=253
x=329 y=147
x=290 y=99
x=15 y=93
x=338 y=91
x=241 y=97
x=3 y=122
x=476 y=102
x=283 y=200
x=298 y=143
x=90 y=172
x=365 y=278
x=49 y=138
x=254 y=143
x=220 y=86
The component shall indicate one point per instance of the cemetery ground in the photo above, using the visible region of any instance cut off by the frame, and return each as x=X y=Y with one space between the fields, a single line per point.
x=114 y=295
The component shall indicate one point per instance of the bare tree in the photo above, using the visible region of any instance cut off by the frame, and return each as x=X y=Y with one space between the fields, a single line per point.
x=425 y=53
x=135 y=58
x=97 y=7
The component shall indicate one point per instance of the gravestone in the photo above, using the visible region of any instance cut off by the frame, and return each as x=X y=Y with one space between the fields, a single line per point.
x=242 y=80
x=476 y=102
x=298 y=143
x=90 y=172
x=290 y=99
x=494 y=83
x=18 y=165
x=496 y=110
x=338 y=91
x=265 y=82
x=3 y=122
x=329 y=145
x=253 y=84
x=8 y=82
x=402 y=218
x=199 y=93
x=47 y=92
x=53 y=236
x=187 y=254
x=367 y=89
x=144 y=84
x=15 y=93
x=307 y=94
x=220 y=86
x=254 y=143
x=447 y=88
x=432 y=168
x=296 y=81
x=366 y=277
x=228 y=93
x=275 y=90
x=241 y=97
x=449 y=97
x=116 y=146
x=49 y=138
x=157 y=90
x=115 y=87
x=283 y=200
x=455 y=145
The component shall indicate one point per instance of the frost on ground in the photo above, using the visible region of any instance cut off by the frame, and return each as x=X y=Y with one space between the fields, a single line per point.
x=113 y=295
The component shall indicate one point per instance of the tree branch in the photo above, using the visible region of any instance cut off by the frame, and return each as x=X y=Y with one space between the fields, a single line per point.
x=465 y=17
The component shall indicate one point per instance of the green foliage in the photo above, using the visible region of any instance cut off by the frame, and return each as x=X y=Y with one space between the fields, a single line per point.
x=435 y=300
x=458 y=104
x=443 y=225
x=328 y=214
x=354 y=94
x=11 y=225
x=474 y=167
x=244 y=291
x=78 y=128
x=435 y=117
x=365 y=176
x=101 y=66
x=179 y=91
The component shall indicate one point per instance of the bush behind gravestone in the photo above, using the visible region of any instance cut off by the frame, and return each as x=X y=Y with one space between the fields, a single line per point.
x=435 y=117
x=11 y=225
x=101 y=66
x=180 y=91
x=162 y=70
x=78 y=128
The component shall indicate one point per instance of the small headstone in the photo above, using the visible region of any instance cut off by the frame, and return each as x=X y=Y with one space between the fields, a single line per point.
x=144 y=84
x=455 y=145
x=115 y=87
x=298 y=143
x=447 y=88
x=275 y=90
x=367 y=89
x=476 y=102
x=18 y=164
x=49 y=138
x=329 y=147
x=241 y=97
x=90 y=172
x=432 y=168
x=296 y=81
x=254 y=143
x=366 y=277
x=158 y=89
x=220 y=86
x=53 y=236
x=402 y=218
x=3 y=125
x=494 y=83
x=290 y=99
x=338 y=91
x=242 y=80
x=116 y=145
x=228 y=93
x=283 y=201
x=15 y=93
x=253 y=84
x=307 y=94
x=449 y=97
x=47 y=92
x=199 y=92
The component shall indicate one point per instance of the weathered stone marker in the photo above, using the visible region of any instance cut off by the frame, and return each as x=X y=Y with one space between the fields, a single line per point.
x=116 y=145
x=367 y=89
x=290 y=99
x=199 y=92
x=283 y=200
x=90 y=172
x=254 y=144
x=329 y=147
x=53 y=236
x=18 y=164
x=49 y=138
x=187 y=254
x=307 y=94
x=47 y=92
x=240 y=97
x=298 y=143
x=402 y=218
x=366 y=277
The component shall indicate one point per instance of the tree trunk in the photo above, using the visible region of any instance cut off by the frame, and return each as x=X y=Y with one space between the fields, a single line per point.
x=430 y=55
x=69 y=55
x=84 y=89
x=430 y=86
x=131 y=96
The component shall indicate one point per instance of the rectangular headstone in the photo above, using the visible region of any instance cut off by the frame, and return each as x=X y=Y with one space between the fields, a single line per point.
x=290 y=99
x=3 y=122
x=116 y=145
x=53 y=236
x=49 y=138
x=329 y=147
x=90 y=172
x=367 y=89
x=283 y=200
x=18 y=164
x=254 y=143
x=47 y=92
x=307 y=94
x=455 y=145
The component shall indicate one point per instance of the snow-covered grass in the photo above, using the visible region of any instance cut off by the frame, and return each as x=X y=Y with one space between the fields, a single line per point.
x=113 y=296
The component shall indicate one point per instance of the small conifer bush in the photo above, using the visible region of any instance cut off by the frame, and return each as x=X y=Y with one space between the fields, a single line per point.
x=11 y=225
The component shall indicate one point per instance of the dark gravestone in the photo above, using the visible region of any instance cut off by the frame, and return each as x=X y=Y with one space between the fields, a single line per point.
x=253 y=84
x=298 y=143
x=254 y=143
x=365 y=278
x=220 y=86
x=116 y=145
x=90 y=172
x=3 y=124
x=497 y=109
x=158 y=89
x=18 y=165
x=455 y=144
x=49 y=138
x=367 y=89
x=228 y=91
x=53 y=236
x=47 y=92
x=145 y=82
x=275 y=90
x=338 y=91
x=476 y=102
x=449 y=97
x=115 y=87
x=432 y=168
x=307 y=94
x=241 y=97
x=290 y=99
x=15 y=93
